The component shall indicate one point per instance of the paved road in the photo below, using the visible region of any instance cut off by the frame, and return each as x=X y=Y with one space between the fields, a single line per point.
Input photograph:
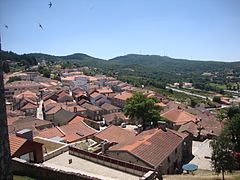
x=188 y=93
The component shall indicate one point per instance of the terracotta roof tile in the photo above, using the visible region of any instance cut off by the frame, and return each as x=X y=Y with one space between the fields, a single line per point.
x=76 y=119
x=15 y=143
x=29 y=106
x=95 y=94
x=123 y=95
x=108 y=107
x=152 y=146
x=69 y=131
x=91 y=107
x=50 y=132
x=178 y=116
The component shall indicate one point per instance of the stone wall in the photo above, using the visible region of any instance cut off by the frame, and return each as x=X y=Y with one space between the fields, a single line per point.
x=39 y=171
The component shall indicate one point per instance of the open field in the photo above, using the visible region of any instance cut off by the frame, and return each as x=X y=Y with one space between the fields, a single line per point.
x=203 y=175
x=15 y=177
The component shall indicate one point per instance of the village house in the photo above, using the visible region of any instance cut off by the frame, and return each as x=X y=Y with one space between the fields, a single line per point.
x=27 y=122
x=24 y=148
x=68 y=74
x=104 y=90
x=59 y=116
x=94 y=97
x=109 y=108
x=120 y=86
x=69 y=133
x=121 y=99
x=178 y=117
x=11 y=88
x=94 y=124
x=112 y=83
x=116 y=118
x=93 y=112
x=160 y=148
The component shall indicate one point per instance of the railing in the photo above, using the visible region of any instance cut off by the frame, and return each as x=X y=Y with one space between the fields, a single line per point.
x=111 y=160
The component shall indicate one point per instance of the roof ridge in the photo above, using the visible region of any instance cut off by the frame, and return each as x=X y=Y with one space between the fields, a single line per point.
x=88 y=126
x=105 y=129
x=177 y=134
x=61 y=131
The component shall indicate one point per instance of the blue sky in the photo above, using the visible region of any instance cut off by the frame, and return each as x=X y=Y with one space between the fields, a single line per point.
x=192 y=29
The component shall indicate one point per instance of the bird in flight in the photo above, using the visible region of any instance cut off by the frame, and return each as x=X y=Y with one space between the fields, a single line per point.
x=6 y=26
x=40 y=25
x=50 y=4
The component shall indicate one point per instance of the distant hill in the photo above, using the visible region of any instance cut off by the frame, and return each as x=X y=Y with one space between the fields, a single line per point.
x=144 y=67
x=164 y=63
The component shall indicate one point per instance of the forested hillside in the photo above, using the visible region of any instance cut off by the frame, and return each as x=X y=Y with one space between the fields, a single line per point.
x=148 y=70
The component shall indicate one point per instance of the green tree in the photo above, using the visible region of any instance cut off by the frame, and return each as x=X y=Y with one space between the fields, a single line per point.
x=221 y=116
x=216 y=99
x=232 y=111
x=6 y=67
x=143 y=108
x=232 y=128
x=193 y=103
x=14 y=78
x=222 y=157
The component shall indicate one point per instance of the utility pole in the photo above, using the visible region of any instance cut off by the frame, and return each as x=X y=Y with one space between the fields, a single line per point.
x=5 y=157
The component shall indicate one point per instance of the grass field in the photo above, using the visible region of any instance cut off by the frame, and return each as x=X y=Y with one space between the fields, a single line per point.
x=22 y=178
x=203 y=175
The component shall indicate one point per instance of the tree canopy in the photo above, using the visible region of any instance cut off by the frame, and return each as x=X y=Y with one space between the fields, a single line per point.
x=143 y=108
x=222 y=157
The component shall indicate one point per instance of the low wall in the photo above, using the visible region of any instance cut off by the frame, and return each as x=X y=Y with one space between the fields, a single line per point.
x=110 y=162
x=150 y=175
x=55 y=153
x=39 y=171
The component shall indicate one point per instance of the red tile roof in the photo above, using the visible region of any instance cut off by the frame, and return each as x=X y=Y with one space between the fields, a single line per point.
x=76 y=119
x=15 y=143
x=108 y=107
x=95 y=94
x=178 y=116
x=104 y=90
x=50 y=132
x=116 y=134
x=152 y=146
x=123 y=95
x=155 y=148
x=29 y=106
x=68 y=132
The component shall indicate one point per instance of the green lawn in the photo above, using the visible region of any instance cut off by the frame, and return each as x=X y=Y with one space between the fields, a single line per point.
x=15 y=177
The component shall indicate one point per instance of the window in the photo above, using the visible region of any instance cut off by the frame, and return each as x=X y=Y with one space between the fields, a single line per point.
x=175 y=151
x=29 y=157
x=168 y=159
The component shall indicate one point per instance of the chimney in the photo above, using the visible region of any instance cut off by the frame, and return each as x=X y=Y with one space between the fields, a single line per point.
x=75 y=109
x=105 y=145
x=25 y=133
x=162 y=125
x=139 y=129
